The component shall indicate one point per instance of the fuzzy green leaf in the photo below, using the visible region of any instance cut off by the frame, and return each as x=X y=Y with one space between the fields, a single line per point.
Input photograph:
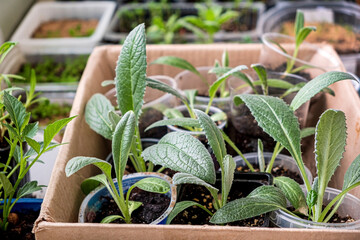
x=179 y=207
x=186 y=178
x=155 y=84
x=293 y=193
x=131 y=72
x=77 y=163
x=227 y=177
x=352 y=175
x=97 y=115
x=121 y=144
x=213 y=135
x=330 y=141
x=52 y=129
x=306 y=132
x=133 y=205
x=222 y=70
x=173 y=113
x=261 y=72
x=317 y=84
x=262 y=200
x=153 y=184
x=311 y=198
x=91 y=183
x=111 y=218
x=114 y=119
x=176 y=62
x=180 y=122
x=29 y=188
x=184 y=153
x=261 y=158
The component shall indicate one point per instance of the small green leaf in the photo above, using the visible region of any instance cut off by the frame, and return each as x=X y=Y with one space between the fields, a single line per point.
x=114 y=119
x=131 y=72
x=28 y=188
x=133 y=205
x=261 y=72
x=15 y=109
x=261 y=158
x=77 y=163
x=180 y=122
x=92 y=183
x=122 y=141
x=222 y=70
x=111 y=218
x=184 y=153
x=5 y=48
x=213 y=135
x=34 y=144
x=173 y=113
x=179 y=207
x=6 y=184
x=299 y=21
x=190 y=95
x=185 y=178
x=107 y=83
x=97 y=115
x=227 y=177
x=30 y=130
x=155 y=84
x=317 y=84
x=352 y=175
x=176 y=62
x=306 y=132
x=311 y=198
x=225 y=59
x=219 y=116
x=293 y=193
x=153 y=184
x=52 y=129
x=302 y=34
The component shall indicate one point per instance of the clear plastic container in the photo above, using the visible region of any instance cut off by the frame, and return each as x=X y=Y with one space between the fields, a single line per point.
x=350 y=206
x=46 y=11
x=240 y=112
x=281 y=160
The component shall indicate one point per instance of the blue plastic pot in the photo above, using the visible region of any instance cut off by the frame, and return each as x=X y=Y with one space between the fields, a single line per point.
x=24 y=205
x=93 y=201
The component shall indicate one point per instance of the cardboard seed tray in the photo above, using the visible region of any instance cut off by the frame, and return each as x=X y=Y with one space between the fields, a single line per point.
x=58 y=216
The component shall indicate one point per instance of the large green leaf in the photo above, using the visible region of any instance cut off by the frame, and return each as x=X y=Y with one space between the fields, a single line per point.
x=330 y=141
x=276 y=118
x=186 y=178
x=52 y=129
x=15 y=109
x=293 y=193
x=29 y=188
x=227 y=172
x=180 y=122
x=153 y=184
x=122 y=141
x=352 y=175
x=155 y=84
x=97 y=115
x=184 y=153
x=317 y=84
x=77 y=163
x=213 y=135
x=262 y=200
x=131 y=72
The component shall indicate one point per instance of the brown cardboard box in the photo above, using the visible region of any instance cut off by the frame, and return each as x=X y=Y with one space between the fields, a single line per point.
x=59 y=211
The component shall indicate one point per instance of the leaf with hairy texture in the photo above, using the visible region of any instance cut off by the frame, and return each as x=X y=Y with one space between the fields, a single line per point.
x=114 y=119
x=155 y=84
x=293 y=193
x=122 y=141
x=54 y=128
x=130 y=79
x=352 y=175
x=15 y=109
x=317 y=84
x=215 y=86
x=306 y=132
x=219 y=116
x=107 y=83
x=228 y=170
x=6 y=184
x=29 y=188
x=111 y=218
x=180 y=122
x=311 y=198
x=133 y=205
x=276 y=118
x=184 y=153
x=191 y=94
x=261 y=72
x=213 y=135
x=97 y=115
x=186 y=178
x=176 y=62
x=179 y=207
x=330 y=141
x=173 y=113
x=92 y=183
x=302 y=35
x=77 y=163
x=260 y=154
x=153 y=184
x=262 y=200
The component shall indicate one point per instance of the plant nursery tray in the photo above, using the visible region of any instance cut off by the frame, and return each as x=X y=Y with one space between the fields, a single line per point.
x=59 y=212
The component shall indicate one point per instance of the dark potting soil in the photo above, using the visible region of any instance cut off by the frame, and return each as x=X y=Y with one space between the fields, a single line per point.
x=20 y=226
x=153 y=206
x=276 y=172
x=334 y=219
x=149 y=117
x=197 y=216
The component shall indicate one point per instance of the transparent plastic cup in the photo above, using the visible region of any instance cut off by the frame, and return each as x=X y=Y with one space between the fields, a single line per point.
x=350 y=206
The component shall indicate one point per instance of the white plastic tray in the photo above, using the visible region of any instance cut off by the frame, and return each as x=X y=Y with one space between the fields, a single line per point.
x=45 y=11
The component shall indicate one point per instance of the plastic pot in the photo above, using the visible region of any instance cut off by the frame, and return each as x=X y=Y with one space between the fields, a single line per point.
x=350 y=205
x=93 y=201
x=188 y=80
x=280 y=160
x=26 y=204
x=183 y=109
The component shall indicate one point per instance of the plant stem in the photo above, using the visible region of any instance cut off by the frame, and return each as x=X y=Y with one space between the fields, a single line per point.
x=273 y=157
x=292 y=62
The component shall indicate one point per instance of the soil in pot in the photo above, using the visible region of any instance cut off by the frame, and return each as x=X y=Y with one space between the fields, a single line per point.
x=66 y=28
x=20 y=226
x=153 y=206
x=341 y=37
x=197 y=216
x=150 y=116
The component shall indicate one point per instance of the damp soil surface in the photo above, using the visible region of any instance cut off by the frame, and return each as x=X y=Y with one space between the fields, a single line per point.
x=153 y=206
x=66 y=28
x=20 y=226
x=197 y=216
